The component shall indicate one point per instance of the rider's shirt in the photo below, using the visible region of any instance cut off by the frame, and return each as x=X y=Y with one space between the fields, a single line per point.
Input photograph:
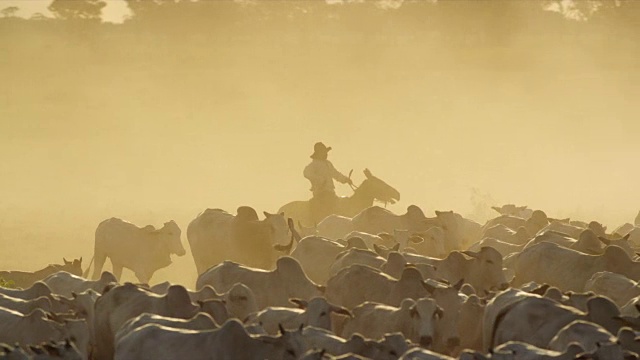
x=321 y=174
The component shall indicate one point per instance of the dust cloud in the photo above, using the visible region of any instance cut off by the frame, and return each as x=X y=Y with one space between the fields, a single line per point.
x=194 y=105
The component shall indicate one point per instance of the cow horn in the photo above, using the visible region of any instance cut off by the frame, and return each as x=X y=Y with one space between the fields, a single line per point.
x=302 y=304
x=472 y=254
x=413 y=312
x=430 y=288
x=342 y=311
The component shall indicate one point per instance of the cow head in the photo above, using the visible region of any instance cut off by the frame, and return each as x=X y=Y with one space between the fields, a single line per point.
x=450 y=300
x=171 y=235
x=485 y=270
x=279 y=232
x=319 y=311
x=73 y=267
x=423 y=315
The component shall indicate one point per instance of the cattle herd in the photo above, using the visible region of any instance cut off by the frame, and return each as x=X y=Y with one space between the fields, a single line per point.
x=376 y=285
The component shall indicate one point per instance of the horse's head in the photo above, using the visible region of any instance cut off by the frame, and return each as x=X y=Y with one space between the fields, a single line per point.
x=378 y=189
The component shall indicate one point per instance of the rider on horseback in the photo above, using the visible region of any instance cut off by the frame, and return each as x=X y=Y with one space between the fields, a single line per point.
x=321 y=173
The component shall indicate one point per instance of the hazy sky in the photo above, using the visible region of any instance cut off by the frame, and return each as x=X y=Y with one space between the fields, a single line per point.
x=148 y=132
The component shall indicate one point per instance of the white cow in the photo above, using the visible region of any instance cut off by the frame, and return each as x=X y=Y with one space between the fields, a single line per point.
x=585 y=333
x=316 y=254
x=315 y=312
x=616 y=287
x=517 y=350
x=64 y=283
x=355 y=256
x=36 y=327
x=415 y=319
x=36 y=290
x=200 y=321
x=25 y=306
x=271 y=288
x=548 y=263
x=127 y=301
x=215 y=236
x=229 y=342
x=335 y=227
x=143 y=250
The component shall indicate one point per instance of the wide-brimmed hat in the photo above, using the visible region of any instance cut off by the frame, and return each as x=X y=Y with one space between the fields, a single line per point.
x=320 y=149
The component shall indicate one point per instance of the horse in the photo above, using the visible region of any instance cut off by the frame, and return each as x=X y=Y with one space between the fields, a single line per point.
x=372 y=188
x=24 y=279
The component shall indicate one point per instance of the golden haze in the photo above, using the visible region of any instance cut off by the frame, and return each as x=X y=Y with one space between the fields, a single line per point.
x=151 y=121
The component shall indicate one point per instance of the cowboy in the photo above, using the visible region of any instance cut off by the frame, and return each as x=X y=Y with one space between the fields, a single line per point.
x=321 y=174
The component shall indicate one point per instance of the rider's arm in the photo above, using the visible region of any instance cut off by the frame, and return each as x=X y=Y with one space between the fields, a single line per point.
x=337 y=174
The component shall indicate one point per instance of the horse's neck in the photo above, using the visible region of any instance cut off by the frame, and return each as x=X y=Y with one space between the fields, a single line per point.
x=361 y=198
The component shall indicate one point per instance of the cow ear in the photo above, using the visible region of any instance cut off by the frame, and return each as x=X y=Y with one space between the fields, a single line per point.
x=266 y=214
x=459 y=284
x=342 y=311
x=302 y=304
x=66 y=262
x=415 y=239
x=413 y=312
x=626 y=237
x=439 y=313
x=80 y=259
x=396 y=247
x=540 y=290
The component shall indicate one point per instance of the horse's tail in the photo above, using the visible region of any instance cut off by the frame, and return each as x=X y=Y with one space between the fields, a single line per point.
x=86 y=272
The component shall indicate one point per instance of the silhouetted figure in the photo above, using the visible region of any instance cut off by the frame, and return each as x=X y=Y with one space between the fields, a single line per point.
x=321 y=174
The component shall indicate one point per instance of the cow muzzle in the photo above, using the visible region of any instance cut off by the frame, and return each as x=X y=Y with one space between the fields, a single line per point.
x=453 y=342
x=426 y=341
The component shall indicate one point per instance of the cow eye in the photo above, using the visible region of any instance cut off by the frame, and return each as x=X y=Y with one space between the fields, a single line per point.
x=324 y=313
x=291 y=352
x=490 y=262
